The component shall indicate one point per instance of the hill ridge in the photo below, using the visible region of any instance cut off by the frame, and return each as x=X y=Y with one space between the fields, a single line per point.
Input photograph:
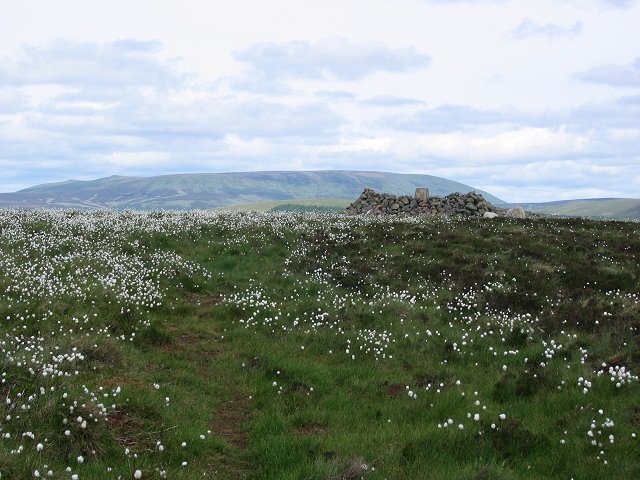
x=214 y=190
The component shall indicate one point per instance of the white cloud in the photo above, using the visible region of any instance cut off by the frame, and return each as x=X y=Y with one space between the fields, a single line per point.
x=524 y=143
x=624 y=133
x=136 y=159
x=542 y=180
x=236 y=146
x=74 y=63
x=373 y=145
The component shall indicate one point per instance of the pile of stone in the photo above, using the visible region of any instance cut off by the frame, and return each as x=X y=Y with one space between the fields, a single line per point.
x=468 y=204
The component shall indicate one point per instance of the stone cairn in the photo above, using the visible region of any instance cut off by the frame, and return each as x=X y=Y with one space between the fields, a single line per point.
x=469 y=204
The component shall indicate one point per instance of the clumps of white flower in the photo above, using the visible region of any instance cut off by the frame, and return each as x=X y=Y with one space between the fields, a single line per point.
x=618 y=374
x=585 y=384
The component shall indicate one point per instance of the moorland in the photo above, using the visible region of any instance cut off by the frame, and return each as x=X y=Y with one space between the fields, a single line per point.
x=317 y=345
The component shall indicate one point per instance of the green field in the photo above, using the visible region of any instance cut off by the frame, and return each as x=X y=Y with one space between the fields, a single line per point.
x=606 y=208
x=236 y=345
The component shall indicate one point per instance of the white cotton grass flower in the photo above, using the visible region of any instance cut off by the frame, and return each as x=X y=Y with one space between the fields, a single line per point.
x=137 y=474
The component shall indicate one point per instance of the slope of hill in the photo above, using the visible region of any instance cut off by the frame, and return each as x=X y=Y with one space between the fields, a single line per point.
x=212 y=190
x=322 y=203
x=610 y=208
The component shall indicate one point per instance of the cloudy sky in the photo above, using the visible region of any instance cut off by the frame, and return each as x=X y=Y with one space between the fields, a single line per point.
x=530 y=100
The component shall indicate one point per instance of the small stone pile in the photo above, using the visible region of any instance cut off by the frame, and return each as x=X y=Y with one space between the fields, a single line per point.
x=469 y=204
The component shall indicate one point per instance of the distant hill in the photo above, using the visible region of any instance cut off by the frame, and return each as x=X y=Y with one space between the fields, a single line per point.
x=609 y=208
x=215 y=190
x=275 y=205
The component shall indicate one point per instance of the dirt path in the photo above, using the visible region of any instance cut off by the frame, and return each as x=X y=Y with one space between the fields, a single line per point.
x=197 y=341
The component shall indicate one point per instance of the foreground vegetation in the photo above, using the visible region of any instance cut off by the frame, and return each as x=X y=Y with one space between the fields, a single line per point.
x=308 y=345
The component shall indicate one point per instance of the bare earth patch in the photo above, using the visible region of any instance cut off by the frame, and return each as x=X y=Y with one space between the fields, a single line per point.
x=230 y=420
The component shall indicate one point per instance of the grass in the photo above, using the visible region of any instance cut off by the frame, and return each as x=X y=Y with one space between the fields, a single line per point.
x=611 y=208
x=322 y=346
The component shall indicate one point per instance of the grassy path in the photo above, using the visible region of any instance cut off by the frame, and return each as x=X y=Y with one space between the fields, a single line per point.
x=195 y=359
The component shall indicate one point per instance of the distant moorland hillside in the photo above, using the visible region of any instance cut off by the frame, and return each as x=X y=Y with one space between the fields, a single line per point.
x=609 y=208
x=214 y=190
x=263 y=191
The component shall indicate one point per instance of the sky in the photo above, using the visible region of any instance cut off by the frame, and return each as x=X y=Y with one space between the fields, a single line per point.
x=529 y=100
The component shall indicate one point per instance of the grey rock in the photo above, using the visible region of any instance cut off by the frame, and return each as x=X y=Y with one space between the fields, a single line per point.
x=422 y=194
x=469 y=204
x=516 y=212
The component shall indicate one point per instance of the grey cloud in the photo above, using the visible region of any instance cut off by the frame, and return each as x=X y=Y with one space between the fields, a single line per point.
x=529 y=29
x=614 y=75
x=255 y=83
x=216 y=118
x=132 y=45
x=445 y=118
x=446 y=2
x=391 y=101
x=629 y=100
x=619 y=113
x=623 y=112
x=335 y=58
x=189 y=138
x=336 y=95
x=12 y=101
x=543 y=181
x=617 y=3
x=57 y=129
x=73 y=63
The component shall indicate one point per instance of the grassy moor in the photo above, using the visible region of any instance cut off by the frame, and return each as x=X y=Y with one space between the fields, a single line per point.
x=307 y=345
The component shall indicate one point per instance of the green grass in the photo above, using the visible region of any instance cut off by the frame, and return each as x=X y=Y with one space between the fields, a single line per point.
x=608 y=208
x=507 y=313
